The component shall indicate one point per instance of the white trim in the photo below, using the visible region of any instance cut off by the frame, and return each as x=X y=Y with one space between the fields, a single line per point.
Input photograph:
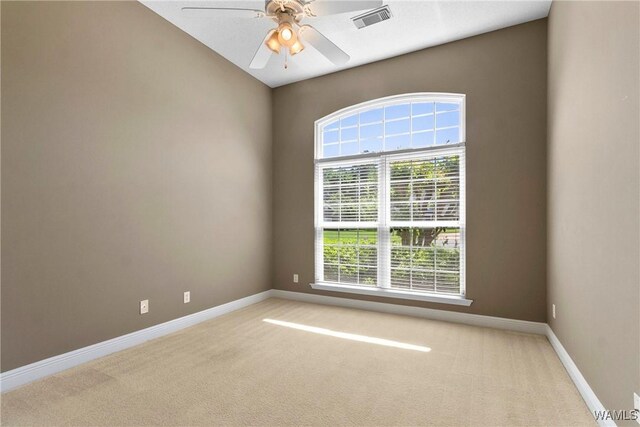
x=43 y=368
x=429 y=313
x=440 y=149
x=25 y=374
x=590 y=398
x=393 y=293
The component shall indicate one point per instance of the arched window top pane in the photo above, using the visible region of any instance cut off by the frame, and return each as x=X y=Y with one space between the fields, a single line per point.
x=402 y=122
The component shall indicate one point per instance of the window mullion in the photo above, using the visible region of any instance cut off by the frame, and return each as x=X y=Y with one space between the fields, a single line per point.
x=462 y=220
x=384 y=235
x=319 y=261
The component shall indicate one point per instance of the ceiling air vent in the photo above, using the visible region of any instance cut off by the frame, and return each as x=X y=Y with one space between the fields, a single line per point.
x=372 y=17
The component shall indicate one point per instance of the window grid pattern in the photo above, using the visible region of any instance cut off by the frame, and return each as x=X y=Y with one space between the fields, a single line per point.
x=394 y=127
x=350 y=193
x=424 y=233
x=351 y=256
x=421 y=266
x=425 y=189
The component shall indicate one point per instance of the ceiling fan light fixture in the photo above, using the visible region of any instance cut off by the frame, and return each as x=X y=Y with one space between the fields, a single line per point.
x=273 y=43
x=297 y=47
x=286 y=34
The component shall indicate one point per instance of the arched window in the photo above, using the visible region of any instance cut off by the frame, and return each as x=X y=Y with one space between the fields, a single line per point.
x=389 y=209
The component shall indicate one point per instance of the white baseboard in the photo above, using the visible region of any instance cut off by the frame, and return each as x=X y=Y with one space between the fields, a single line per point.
x=429 y=313
x=43 y=368
x=26 y=374
x=590 y=398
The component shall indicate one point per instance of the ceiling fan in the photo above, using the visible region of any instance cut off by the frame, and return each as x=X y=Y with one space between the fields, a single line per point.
x=290 y=34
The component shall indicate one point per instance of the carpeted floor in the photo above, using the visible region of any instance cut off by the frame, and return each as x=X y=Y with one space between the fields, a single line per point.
x=240 y=370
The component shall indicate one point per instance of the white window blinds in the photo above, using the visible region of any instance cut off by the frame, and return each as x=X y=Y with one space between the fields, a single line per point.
x=350 y=194
x=425 y=227
x=348 y=233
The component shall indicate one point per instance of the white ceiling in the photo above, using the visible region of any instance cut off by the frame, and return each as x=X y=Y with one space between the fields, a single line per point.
x=415 y=25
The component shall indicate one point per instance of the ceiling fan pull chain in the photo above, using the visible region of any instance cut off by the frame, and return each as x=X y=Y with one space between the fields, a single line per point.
x=286 y=56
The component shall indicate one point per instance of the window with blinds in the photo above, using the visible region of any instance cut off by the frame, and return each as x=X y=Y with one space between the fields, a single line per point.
x=390 y=195
x=424 y=202
x=349 y=223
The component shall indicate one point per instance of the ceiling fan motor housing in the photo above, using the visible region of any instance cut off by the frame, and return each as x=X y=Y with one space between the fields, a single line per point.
x=285 y=9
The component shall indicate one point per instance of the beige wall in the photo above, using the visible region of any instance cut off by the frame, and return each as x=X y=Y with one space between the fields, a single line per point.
x=593 y=240
x=503 y=74
x=136 y=164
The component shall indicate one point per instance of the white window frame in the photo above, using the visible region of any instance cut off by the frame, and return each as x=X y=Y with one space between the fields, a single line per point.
x=382 y=225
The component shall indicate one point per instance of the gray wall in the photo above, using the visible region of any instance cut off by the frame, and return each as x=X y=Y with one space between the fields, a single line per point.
x=593 y=240
x=136 y=163
x=503 y=74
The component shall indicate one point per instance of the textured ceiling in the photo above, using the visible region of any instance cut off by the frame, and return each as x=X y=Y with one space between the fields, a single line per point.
x=415 y=25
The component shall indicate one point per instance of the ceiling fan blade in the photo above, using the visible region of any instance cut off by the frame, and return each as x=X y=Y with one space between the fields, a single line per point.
x=323 y=45
x=262 y=55
x=221 y=12
x=333 y=7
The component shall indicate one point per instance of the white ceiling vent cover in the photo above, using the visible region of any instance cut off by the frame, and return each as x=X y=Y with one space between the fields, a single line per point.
x=372 y=17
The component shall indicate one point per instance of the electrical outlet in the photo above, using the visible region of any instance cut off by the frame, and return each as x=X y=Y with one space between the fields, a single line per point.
x=144 y=306
x=295 y=278
x=187 y=297
x=553 y=310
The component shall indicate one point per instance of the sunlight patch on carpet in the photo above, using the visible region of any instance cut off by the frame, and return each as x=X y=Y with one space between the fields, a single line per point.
x=347 y=336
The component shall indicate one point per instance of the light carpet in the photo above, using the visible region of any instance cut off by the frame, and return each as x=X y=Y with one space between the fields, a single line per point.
x=319 y=367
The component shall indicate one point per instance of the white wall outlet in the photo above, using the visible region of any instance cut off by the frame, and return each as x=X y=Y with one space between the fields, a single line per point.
x=295 y=278
x=553 y=310
x=144 y=306
x=187 y=297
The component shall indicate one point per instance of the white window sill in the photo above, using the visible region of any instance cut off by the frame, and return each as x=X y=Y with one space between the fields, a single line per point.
x=393 y=293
